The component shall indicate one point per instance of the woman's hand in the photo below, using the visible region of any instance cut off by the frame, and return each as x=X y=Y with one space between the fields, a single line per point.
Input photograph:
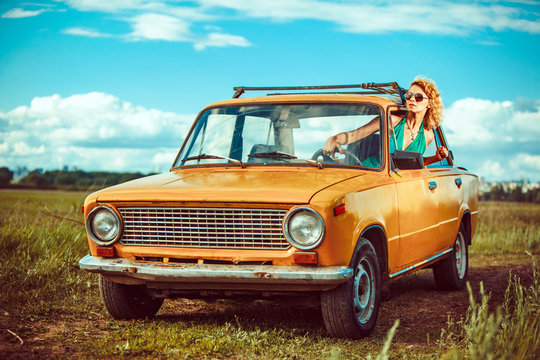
x=441 y=153
x=331 y=146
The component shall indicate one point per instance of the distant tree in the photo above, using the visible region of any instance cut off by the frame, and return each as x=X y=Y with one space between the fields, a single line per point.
x=517 y=194
x=497 y=193
x=36 y=179
x=130 y=176
x=5 y=177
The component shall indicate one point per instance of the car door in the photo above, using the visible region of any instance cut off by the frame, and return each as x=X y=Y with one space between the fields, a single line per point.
x=428 y=206
x=418 y=214
x=448 y=183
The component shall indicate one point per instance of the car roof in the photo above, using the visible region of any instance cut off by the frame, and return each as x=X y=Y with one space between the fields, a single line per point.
x=381 y=100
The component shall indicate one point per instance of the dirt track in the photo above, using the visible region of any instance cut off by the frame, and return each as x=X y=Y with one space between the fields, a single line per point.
x=422 y=308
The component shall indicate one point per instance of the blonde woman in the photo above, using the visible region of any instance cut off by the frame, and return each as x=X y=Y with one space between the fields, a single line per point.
x=414 y=131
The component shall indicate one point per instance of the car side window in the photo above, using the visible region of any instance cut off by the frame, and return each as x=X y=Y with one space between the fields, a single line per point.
x=432 y=148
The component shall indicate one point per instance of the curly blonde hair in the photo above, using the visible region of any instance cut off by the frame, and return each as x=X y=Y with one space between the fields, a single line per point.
x=433 y=117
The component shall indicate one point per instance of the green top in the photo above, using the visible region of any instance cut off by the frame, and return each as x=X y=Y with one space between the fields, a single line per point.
x=419 y=142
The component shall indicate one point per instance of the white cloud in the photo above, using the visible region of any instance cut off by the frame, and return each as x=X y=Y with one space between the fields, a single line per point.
x=221 y=40
x=84 y=32
x=497 y=140
x=492 y=170
x=18 y=13
x=93 y=131
x=159 y=27
x=443 y=17
x=174 y=21
x=110 y=6
x=97 y=131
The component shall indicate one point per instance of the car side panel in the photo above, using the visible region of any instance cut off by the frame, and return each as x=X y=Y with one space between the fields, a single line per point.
x=365 y=206
x=450 y=197
x=418 y=215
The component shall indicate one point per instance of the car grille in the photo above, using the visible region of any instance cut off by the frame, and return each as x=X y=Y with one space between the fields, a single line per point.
x=204 y=228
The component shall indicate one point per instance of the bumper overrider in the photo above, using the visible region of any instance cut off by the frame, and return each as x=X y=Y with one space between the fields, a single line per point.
x=303 y=276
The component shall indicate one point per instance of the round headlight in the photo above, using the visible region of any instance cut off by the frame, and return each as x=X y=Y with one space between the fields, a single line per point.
x=304 y=228
x=103 y=225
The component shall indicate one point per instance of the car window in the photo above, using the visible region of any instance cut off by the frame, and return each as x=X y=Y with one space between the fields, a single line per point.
x=285 y=134
x=432 y=149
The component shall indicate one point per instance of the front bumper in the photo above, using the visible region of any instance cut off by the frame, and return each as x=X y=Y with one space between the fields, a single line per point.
x=316 y=277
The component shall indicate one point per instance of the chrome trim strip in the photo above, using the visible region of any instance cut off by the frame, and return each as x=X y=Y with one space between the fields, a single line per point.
x=421 y=263
x=264 y=274
x=229 y=228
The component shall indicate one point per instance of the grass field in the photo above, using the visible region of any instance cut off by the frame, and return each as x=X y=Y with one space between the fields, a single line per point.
x=49 y=308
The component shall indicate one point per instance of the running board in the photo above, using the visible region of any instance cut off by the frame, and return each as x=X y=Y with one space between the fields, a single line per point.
x=421 y=264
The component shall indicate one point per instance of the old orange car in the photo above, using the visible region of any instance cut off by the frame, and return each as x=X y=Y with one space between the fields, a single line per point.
x=251 y=208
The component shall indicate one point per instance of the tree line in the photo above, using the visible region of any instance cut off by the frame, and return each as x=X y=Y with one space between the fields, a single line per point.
x=65 y=180
x=499 y=193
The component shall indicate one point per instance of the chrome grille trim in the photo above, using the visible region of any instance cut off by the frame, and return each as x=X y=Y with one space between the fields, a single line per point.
x=227 y=228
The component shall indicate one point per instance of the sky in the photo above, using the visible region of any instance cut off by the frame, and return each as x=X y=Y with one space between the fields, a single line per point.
x=114 y=85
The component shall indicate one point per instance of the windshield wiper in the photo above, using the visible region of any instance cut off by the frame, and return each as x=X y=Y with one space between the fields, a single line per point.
x=273 y=155
x=210 y=156
x=282 y=155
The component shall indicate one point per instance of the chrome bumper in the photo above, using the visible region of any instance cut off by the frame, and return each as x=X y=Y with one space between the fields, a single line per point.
x=256 y=274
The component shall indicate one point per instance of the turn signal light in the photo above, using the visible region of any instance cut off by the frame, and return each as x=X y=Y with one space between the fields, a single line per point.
x=105 y=251
x=305 y=258
x=340 y=209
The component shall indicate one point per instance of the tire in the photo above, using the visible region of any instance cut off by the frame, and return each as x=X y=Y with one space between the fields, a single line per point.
x=350 y=310
x=452 y=273
x=125 y=302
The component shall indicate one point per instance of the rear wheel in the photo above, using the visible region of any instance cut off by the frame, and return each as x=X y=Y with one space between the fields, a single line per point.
x=452 y=273
x=127 y=301
x=351 y=309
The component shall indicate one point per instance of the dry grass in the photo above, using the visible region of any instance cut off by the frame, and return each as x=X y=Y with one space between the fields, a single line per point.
x=50 y=308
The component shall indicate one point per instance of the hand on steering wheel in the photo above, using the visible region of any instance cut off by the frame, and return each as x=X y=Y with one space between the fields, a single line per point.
x=329 y=159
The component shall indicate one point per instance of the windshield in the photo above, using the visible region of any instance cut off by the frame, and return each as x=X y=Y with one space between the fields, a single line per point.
x=281 y=134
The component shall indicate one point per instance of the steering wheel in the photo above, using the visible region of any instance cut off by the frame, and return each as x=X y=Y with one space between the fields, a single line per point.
x=329 y=159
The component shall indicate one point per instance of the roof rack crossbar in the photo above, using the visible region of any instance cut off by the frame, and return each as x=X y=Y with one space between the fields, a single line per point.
x=391 y=88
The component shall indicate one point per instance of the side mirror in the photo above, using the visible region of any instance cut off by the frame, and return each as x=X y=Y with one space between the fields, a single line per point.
x=407 y=160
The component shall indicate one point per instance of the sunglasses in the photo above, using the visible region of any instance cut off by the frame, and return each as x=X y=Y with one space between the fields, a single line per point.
x=417 y=96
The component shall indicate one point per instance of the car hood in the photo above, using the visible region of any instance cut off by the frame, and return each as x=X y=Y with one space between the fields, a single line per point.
x=256 y=185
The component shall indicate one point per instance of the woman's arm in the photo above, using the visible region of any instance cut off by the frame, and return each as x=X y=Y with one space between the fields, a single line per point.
x=440 y=154
x=334 y=142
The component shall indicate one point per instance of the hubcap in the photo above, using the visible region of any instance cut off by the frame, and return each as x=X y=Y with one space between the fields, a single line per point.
x=363 y=291
x=460 y=250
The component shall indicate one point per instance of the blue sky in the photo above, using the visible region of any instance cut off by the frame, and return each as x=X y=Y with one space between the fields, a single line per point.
x=114 y=85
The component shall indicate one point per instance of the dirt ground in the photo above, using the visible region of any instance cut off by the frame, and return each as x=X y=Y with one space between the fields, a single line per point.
x=423 y=311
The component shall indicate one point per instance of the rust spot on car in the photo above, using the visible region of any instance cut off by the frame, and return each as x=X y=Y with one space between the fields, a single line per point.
x=263 y=275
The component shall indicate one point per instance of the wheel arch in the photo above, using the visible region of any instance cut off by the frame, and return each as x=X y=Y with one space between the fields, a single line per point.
x=466 y=222
x=376 y=235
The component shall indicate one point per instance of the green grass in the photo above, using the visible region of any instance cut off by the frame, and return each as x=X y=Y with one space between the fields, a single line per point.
x=511 y=331
x=55 y=309
x=506 y=228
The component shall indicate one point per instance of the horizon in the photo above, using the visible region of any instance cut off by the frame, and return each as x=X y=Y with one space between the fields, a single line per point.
x=115 y=86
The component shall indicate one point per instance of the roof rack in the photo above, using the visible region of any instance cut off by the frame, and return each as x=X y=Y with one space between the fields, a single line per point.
x=391 y=88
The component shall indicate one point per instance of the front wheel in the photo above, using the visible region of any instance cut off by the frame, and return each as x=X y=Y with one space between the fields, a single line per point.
x=351 y=309
x=453 y=272
x=127 y=301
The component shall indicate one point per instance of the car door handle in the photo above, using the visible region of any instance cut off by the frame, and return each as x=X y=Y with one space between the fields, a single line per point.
x=458 y=182
x=432 y=185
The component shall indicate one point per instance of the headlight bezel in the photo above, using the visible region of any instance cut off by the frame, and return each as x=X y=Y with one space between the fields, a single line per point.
x=297 y=212
x=90 y=226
